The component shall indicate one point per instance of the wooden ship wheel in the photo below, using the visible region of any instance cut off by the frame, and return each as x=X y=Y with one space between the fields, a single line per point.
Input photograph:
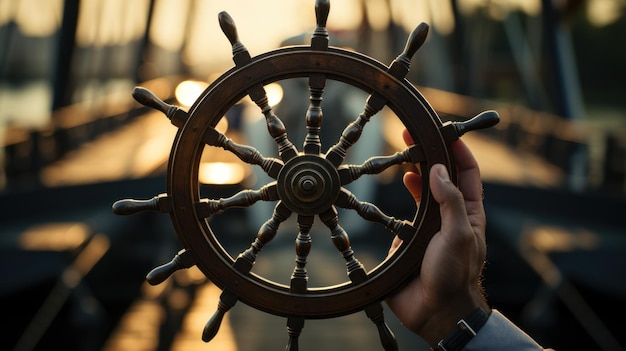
x=309 y=183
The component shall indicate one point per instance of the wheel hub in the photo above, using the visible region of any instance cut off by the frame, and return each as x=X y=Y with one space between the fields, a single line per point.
x=308 y=184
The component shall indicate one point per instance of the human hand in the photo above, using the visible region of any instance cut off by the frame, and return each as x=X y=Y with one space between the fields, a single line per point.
x=448 y=287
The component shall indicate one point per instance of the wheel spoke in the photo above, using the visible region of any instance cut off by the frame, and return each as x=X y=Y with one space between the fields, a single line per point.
x=246 y=153
x=182 y=260
x=294 y=328
x=402 y=63
x=314 y=114
x=351 y=134
x=375 y=102
x=375 y=312
x=245 y=260
x=147 y=98
x=245 y=198
x=241 y=57
x=299 y=276
x=312 y=146
x=319 y=40
x=372 y=213
x=376 y=165
x=317 y=82
x=226 y=302
x=356 y=271
x=276 y=127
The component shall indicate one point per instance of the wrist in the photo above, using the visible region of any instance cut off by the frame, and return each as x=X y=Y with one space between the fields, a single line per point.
x=467 y=328
x=443 y=321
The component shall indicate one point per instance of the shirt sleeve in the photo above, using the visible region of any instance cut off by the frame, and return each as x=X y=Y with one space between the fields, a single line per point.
x=499 y=333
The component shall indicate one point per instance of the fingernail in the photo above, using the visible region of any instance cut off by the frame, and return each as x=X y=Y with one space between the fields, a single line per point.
x=442 y=172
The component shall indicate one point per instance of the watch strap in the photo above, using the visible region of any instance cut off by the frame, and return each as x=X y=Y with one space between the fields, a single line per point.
x=465 y=331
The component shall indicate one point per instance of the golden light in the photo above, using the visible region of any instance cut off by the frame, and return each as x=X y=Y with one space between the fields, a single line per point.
x=35 y=18
x=392 y=131
x=55 y=236
x=222 y=126
x=115 y=22
x=442 y=16
x=378 y=14
x=555 y=239
x=168 y=24
x=499 y=9
x=346 y=15
x=187 y=92
x=604 y=12
x=274 y=93
x=221 y=173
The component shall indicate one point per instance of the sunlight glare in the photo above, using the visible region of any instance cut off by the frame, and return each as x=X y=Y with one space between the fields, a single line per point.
x=409 y=13
x=54 y=236
x=222 y=125
x=38 y=18
x=110 y=23
x=604 y=12
x=169 y=24
x=378 y=14
x=443 y=17
x=221 y=173
x=187 y=92
x=274 y=93
x=345 y=15
x=500 y=8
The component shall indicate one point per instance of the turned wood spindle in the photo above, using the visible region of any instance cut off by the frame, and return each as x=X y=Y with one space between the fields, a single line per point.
x=226 y=302
x=246 y=153
x=387 y=338
x=147 y=98
x=319 y=40
x=245 y=198
x=161 y=203
x=294 y=329
x=182 y=260
x=339 y=237
x=266 y=233
x=299 y=277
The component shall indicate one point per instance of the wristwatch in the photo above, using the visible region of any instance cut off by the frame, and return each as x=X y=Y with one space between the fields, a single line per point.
x=465 y=331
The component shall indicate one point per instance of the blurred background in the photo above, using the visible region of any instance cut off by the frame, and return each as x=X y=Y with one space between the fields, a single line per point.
x=73 y=141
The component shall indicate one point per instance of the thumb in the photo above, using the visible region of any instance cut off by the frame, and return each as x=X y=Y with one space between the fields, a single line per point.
x=450 y=199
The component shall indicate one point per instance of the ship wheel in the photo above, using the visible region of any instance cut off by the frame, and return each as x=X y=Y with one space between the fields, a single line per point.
x=307 y=183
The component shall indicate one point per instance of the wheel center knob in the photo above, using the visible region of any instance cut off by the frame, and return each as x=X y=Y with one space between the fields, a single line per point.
x=308 y=184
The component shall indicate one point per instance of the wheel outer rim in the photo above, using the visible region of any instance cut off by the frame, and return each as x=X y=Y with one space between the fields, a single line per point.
x=197 y=236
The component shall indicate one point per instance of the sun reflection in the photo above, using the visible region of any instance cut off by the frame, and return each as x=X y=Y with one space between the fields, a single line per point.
x=54 y=236
x=221 y=173
x=38 y=18
x=274 y=93
x=187 y=92
x=378 y=14
x=555 y=239
x=604 y=12
x=169 y=20
x=114 y=22
x=501 y=7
